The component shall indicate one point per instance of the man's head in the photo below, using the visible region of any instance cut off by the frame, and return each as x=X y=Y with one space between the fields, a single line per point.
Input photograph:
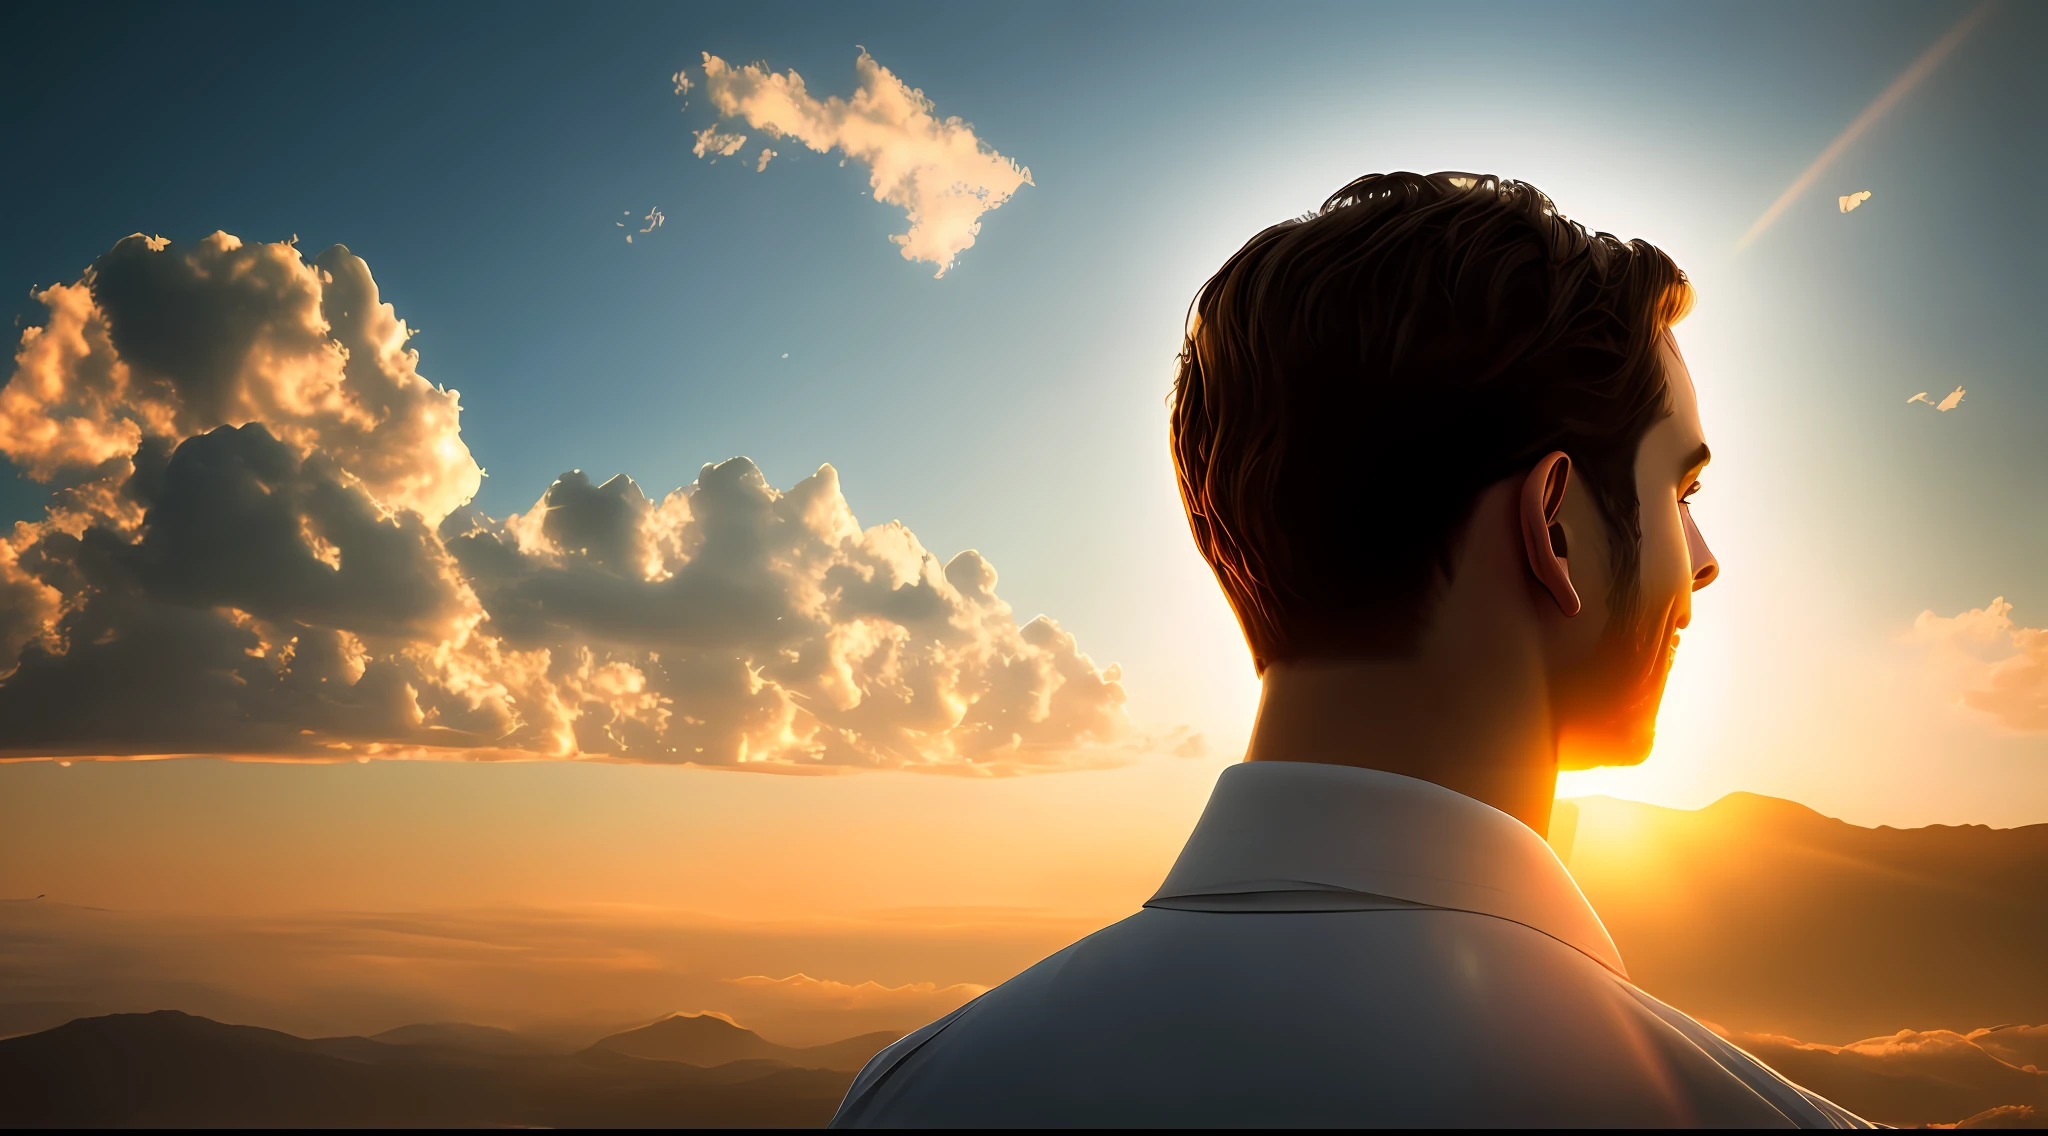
x=1354 y=381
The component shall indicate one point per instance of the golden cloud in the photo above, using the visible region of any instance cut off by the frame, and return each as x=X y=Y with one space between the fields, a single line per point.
x=713 y=144
x=1924 y=1077
x=259 y=546
x=1999 y=668
x=936 y=170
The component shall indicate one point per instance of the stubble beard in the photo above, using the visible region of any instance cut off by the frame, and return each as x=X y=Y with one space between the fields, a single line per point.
x=1608 y=715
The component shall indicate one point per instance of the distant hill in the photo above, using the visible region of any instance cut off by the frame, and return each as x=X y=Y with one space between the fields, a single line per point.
x=706 y=1039
x=169 y=1069
x=470 y=1039
x=1812 y=942
x=34 y=1017
x=1768 y=918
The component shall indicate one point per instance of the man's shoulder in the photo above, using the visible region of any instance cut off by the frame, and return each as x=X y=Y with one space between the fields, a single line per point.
x=1173 y=1017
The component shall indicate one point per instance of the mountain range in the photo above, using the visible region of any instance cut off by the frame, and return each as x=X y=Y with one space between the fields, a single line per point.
x=1767 y=917
x=708 y=1039
x=1896 y=971
x=170 y=1069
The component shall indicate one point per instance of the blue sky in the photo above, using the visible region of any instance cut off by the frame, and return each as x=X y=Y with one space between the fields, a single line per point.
x=478 y=157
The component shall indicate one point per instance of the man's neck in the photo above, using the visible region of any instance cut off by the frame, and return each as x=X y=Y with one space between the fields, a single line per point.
x=1469 y=709
x=1476 y=722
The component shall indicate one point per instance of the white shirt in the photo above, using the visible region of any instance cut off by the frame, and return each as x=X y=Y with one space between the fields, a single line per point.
x=1335 y=946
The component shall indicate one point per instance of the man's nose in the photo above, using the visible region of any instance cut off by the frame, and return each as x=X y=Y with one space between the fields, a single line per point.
x=1705 y=569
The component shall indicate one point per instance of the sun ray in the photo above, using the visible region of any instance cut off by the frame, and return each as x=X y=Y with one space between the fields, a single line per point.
x=1921 y=68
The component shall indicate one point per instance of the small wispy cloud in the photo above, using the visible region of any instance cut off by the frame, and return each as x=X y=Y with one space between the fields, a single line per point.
x=1949 y=401
x=1850 y=202
x=653 y=219
x=767 y=156
x=713 y=144
x=937 y=170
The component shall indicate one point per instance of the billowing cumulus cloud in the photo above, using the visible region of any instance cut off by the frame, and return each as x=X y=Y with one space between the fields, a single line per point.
x=1997 y=667
x=259 y=544
x=162 y=344
x=935 y=169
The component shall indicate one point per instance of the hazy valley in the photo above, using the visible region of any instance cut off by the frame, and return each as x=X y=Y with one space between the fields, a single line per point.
x=1895 y=971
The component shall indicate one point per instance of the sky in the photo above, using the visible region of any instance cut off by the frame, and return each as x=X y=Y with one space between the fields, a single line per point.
x=484 y=166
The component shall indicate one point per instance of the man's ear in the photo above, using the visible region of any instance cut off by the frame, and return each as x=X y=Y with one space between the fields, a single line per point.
x=1542 y=537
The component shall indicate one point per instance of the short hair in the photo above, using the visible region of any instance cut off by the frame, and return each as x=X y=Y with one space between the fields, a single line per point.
x=1351 y=381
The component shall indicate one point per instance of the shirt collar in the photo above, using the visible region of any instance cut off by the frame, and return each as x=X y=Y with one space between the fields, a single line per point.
x=1335 y=837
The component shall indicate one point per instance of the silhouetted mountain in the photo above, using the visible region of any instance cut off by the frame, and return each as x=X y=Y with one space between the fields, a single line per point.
x=33 y=1017
x=1766 y=917
x=468 y=1038
x=169 y=1069
x=705 y=1039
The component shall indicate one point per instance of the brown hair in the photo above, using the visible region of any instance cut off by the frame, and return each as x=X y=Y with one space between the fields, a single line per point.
x=1353 y=379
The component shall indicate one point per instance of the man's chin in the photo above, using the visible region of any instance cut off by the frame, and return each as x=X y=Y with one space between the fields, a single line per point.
x=1622 y=744
x=1621 y=727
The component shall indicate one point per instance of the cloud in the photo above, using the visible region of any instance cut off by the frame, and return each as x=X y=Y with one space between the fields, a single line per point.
x=715 y=145
x=2018 y=1046
x=1914 y=1077
x=1999 y=669
x=935 y=169
x=2003 y=1116
x=1850 y=203
x=258 y=545
x=166 y=343
x=1949 y=401
x=766 y=157
x=653 y=221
